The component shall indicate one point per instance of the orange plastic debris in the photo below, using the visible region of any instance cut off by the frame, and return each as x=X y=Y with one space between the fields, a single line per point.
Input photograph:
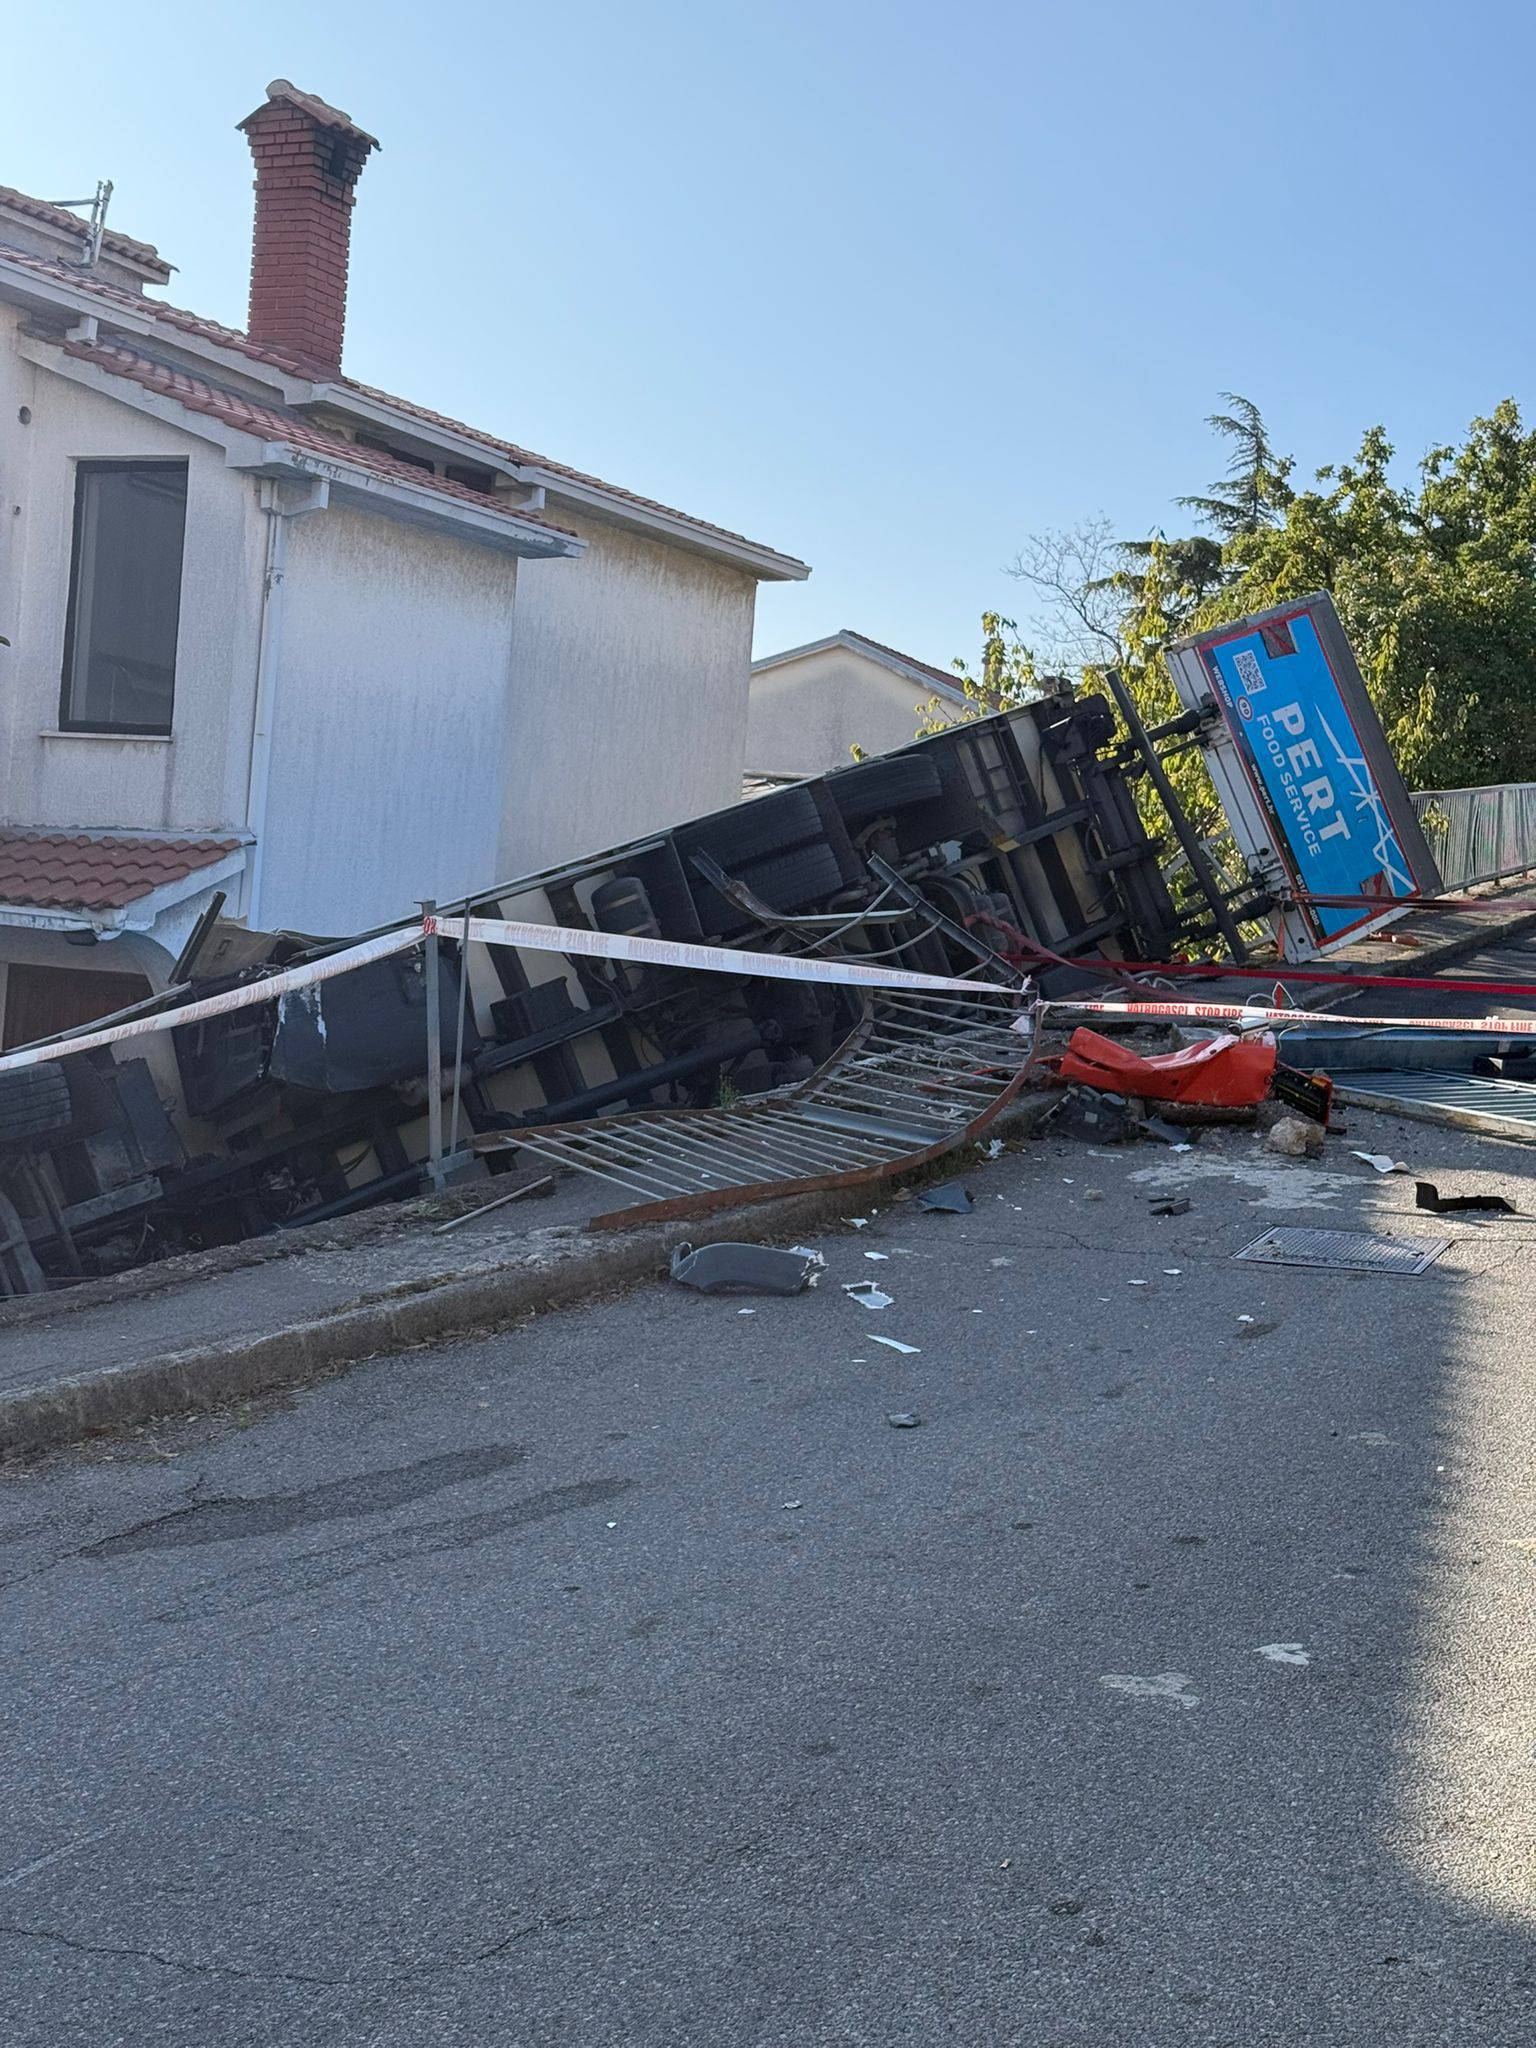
x=1220 y=1073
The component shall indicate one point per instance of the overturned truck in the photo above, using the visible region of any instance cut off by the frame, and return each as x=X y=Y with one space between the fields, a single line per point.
x=1014 y=841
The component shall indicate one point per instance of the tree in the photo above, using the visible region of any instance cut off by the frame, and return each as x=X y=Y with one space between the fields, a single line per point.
x=1006 y=678
x=1254 y=491
x=1436 y=585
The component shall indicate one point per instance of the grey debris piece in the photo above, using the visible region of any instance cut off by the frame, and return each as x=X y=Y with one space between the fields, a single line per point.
x=1172 y=1205
x=745 y=1268
x=867 y=1294
x=949 y=1200
x=904 y=1420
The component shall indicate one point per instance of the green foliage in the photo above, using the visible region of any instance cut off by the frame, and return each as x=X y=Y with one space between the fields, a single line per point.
x=1254 y=490
x=1435 y=581
x=1006 y=677
x=1436 y=585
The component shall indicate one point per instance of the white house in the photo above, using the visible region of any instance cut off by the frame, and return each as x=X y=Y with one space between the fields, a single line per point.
x=270 y=631
x=811 y=704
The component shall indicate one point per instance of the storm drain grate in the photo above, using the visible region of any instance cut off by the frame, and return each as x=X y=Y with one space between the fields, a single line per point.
x=1344 y=1251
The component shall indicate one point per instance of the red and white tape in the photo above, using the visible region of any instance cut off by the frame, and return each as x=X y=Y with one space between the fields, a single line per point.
x=541 y=938
x=495 y=931
x=1253 y=1013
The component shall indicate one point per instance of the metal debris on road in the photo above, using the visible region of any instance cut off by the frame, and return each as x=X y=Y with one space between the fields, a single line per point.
x=904 y=1420
x=1343 y=1251
x=949 y=1200
x=895 y=1344
x=1428 y=1196
x=750 y=1268
x=867 y=1294
x=541 y=1186
x=1172 y=1205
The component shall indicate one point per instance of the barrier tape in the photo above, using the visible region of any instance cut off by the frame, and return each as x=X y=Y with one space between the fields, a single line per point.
x=242 y=998
x=711 y=959
x=1282 y=971
x=542 y=938
x=1253 y=1013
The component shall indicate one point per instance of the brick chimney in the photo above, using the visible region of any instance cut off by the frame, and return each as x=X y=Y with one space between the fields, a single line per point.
x=308 y=159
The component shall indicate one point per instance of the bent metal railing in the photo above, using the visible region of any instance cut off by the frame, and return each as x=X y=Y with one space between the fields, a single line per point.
x=1479 y=835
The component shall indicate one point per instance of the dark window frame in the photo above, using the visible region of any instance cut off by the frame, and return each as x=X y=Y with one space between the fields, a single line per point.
x=83 y=471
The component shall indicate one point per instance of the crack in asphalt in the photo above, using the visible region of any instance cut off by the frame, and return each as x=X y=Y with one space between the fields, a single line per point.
x=149 y=1955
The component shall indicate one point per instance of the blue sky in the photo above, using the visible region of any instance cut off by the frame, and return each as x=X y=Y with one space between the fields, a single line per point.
x=887 y=286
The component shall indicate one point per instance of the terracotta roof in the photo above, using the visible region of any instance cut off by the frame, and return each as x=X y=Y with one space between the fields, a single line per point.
x=280 y=359
x=274 y=424
x=555 y=469
x=60 y=217
x=942 y=679
x=947 y=677
x=318 y=110
x=96 y=870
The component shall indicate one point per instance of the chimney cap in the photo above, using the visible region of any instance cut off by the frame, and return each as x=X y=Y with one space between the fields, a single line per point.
x=283 y=91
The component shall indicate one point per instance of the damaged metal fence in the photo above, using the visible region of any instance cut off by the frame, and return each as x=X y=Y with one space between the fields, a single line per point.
x=921 y=1074
x=1479 y=835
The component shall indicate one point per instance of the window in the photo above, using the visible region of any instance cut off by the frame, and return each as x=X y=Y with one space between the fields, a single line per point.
x=124 y=597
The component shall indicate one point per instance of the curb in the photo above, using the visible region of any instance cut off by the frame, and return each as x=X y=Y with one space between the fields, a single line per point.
x=552 y=1269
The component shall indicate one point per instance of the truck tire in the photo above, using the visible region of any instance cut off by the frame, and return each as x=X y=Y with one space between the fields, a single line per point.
x=874 y=788
x=33 y=1102
x=807 y=875
x=765 y=825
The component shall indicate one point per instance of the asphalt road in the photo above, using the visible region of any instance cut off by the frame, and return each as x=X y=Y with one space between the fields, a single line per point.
x=629 y=1679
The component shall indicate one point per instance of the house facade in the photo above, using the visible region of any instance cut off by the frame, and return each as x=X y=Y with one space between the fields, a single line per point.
x=810 y=706
x=271 y=632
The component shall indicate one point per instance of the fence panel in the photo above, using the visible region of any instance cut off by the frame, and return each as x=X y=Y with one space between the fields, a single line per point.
x=1479 y=835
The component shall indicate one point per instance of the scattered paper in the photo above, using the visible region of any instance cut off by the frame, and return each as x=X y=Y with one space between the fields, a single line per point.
x=1382 y=1161
x=1283 y=1653
x=859 y=1222
x=877 y=1255
x=895 y=1344
x=993 y=1147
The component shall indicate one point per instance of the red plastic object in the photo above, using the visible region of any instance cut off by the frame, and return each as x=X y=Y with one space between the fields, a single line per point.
x=1219 y=1073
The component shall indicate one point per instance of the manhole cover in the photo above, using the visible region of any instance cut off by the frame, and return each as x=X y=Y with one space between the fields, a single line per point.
x=1344 y=1251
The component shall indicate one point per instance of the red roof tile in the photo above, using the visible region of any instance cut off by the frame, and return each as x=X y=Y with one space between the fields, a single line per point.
x=142 y=253
x=96 y=870
x=293 y=431
x=280 y=359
